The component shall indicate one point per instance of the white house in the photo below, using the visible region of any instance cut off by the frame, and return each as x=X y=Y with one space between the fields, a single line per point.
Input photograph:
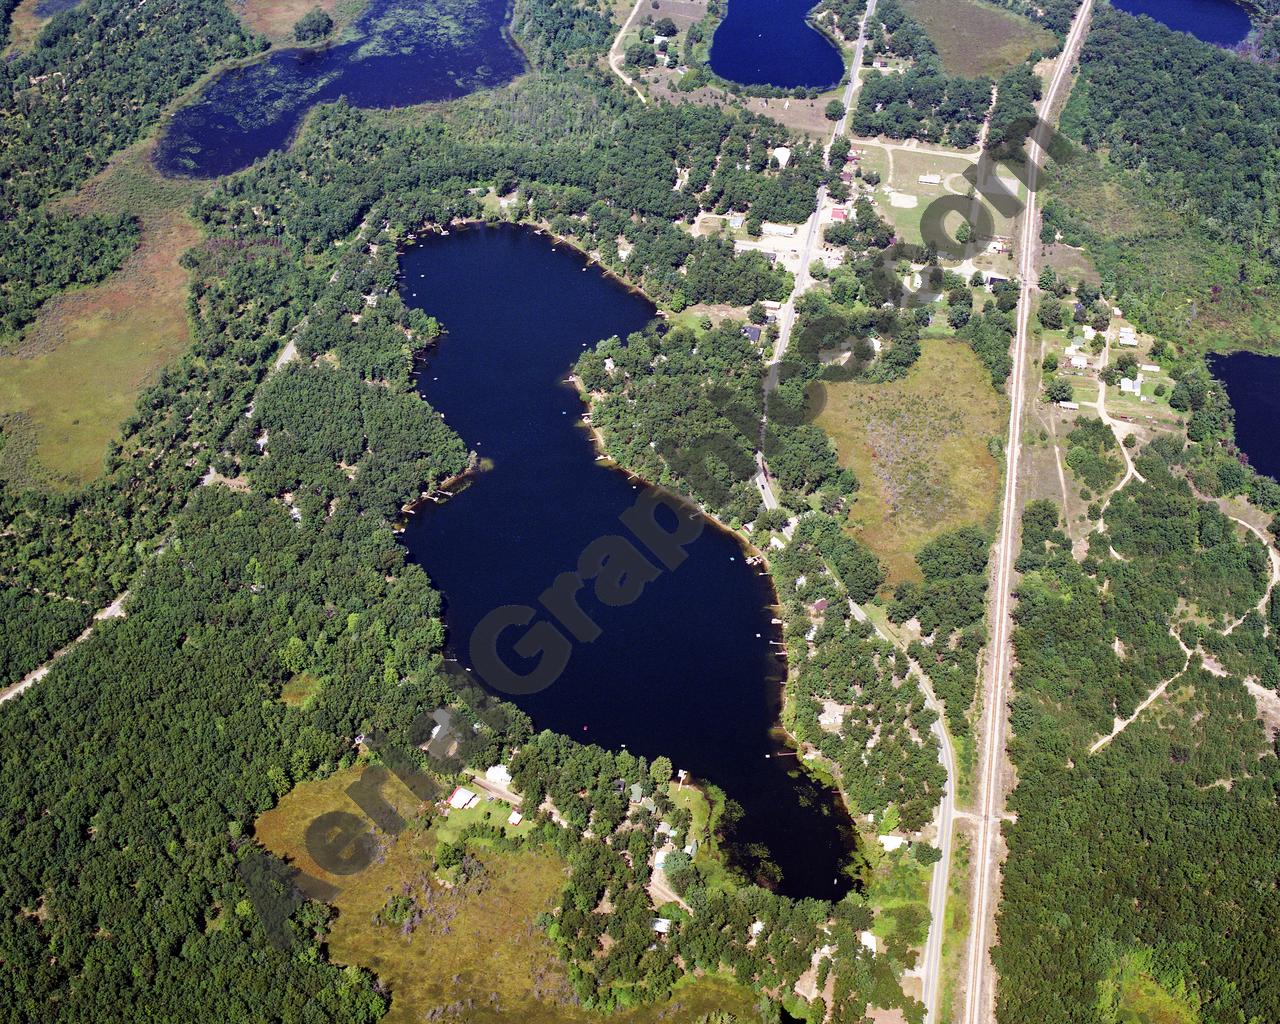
x=514 y=818
x=462 y=798
x=498 y=775
x=1131 y=387
x=778 y=230
x=868 y=940
x=662 y=925
x=783 y=155
x=891 y=843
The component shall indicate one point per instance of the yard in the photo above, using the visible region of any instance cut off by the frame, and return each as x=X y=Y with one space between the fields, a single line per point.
x=975 y=38
x=920 y=449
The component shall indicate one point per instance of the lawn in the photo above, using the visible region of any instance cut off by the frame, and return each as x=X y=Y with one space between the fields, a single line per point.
x=975 y=39
x=477 y=941
x=919 y=447
x=82 y=364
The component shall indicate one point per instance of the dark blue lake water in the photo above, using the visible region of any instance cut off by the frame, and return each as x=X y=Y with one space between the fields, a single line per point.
x=397 y=53
x=1213 y=21
x=688 y=669
x=769 y=42
x=1253 y=385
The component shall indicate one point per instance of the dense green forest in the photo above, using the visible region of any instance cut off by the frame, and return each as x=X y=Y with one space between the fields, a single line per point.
x=923 y=103
x=93 y=82
x=43 y=254
x=121 y=864
x=1161 y=847
x=1176 y=198
x=856 y=699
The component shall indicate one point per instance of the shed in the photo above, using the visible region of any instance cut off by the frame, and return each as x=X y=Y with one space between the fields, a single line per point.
x=930 y=179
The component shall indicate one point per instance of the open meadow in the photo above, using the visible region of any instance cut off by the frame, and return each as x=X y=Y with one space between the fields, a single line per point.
x=975 y=38
x=78 y=370
x=463 y=948
x=920 y=449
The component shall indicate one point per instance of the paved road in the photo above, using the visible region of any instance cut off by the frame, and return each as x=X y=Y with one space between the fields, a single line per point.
x=979 y=981
x=930 y=967
x=812 y=233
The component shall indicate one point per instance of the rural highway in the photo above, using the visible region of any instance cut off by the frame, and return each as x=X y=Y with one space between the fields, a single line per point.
x=979 y=988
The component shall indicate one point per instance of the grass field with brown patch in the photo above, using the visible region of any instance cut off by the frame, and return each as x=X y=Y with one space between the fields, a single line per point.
x=81 y=365
x=919 y=449
x=476 y=948
x=975 y=39
x=275 y=18
x=24 y=26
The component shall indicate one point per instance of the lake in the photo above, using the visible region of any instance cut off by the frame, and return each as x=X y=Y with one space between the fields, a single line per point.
x=688 y=670
x=1213 y=21
x=397 y=53
x=1253 y=385
x=770 y=42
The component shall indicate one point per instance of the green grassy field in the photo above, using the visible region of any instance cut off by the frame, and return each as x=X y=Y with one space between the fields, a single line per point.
x=975 y=39
x=477 y=946
x=80 y=367
x=919 y=448
x=1133 y=995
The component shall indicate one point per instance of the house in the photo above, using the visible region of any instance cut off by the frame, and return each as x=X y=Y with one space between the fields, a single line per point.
x=514 y=818
x=783 y=155
x=778 y=230
x=660 y=859
x=930 y=179
x=1128 y=341
x=773 y=304
x=662 y=925
x=819 y=606
x=1088 y=332
x=665 y=829
x=462 y=798
x=636 y=793
x=839 y=214
x=846 y=177
x=891 y=843
x=1069 y=405
x=498 y=775
x=752 y=333
x=1079 y=363
x=992 y=279
x=736 y=220
x=692 y=849
x=868 y=940
x=1131 y=387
